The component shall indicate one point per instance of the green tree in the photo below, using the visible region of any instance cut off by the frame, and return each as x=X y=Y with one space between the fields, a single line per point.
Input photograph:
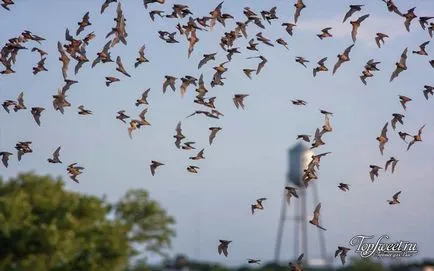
x=44 y=227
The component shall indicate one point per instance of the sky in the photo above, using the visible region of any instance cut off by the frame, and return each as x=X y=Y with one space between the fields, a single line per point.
x=248 y=159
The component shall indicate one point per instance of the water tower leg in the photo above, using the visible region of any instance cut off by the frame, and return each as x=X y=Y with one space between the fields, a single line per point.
x=280 y=232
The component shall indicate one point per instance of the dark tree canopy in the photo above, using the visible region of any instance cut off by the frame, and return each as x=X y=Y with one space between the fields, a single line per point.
x=44 y=227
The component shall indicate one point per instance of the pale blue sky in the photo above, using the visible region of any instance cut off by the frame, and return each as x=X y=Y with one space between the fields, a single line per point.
x=248 y=157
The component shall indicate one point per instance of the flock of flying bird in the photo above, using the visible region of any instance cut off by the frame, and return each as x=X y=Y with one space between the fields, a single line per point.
x=75 y=47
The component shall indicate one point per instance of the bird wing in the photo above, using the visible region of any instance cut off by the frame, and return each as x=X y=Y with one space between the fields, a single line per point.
x=362 y=18
x=354 y=32
x=56 y=153
x=212 y=136
x=395 y=74
x=377 y=41
x=348 y=50
x=316 y=211
x=343 y=258
x=394 y=165
x=403 y=58
x=396 y=195
x=321 y=62
x=337 y=65
x=420 y=130
x=348 y=14
x=300 y=258
x=384 y=130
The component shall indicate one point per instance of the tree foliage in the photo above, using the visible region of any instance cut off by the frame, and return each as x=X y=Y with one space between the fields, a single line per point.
x=44 y=227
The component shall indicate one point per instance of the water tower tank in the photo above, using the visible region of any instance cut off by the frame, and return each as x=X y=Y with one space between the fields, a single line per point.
x=299 y=157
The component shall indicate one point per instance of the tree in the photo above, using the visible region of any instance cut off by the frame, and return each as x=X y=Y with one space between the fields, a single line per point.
x=45 y=227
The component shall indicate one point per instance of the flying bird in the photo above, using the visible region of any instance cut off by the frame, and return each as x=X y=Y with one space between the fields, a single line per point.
x=179 y=136
x=392 y=161
x=64 y=59
x=154 y=165
x=299 y=6
x=170 y=81
x=356 y=25
x=120 y=67
x=325 y=33
x=22 y=148
x=374 y=171
x=394 y=199
x=5 y=158
x=83 y=111
x=192 y=169
x=353 y=9
x=403 y=100
x=428 y=90
x=383 y=139
x=36 y=113
x=84 y=23
x=205 y=59
x=416 y=138
x=74 y=171
x=290 y=192
x=214 y=131
x=409 y=16
x=144 y=98
x=253 y=261
x=344 y=187
x=422 y=50
x=40 y=66
x=298 y=265
x=321 y=67
x=258 y=205
x=304 y=137
x=141 y=59
x=380 y=38
x=301 y=60
x=239 y=100
x=400 y=66
x=110 y=80
x=344 y=57
x=223 y=247
x=315 y=219
x=56 y=157
x=343 y=253
x=397 y=118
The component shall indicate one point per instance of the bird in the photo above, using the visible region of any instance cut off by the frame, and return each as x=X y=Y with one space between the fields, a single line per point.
x=248 y=72
x=299 y=6
x=198 y=156
x=315 y=219
x=423 y=21
x=39 y=66
x=380 y=37
x=356 y=25
x=83 y=111
x=64 y=59
x=84 y=23
x=261 y=64
x=282 y=42
x=106 y=4
x=422 y=51
x=143 y=99
x=223 y=247
x=188 y=145
x=403 y=100
x=36 y=113
x=152 y=14
x=400 y=66
x=192 y=169
x=392 y=161
x=298 y=265
x=253 y=261
x=383 y=139
x=353 y=9
x=325 y=33
x=110 y=80
x=301 y=60
x=19 y=105
x=290 y=192
x=55 y=159
x=74 y=171
x=431 y=62
x=416 y=138
x=121 y=116
x=409 y=16
x=304 y=137
x=403 y=136
x=343 y=253
x=396 y=118
x=239 y=100
x=103 y=56
x=321 y=67
x=22 y=148
x=298 y=102
x=41 y=52
x=5 y=157
x=179 y=136
x=141 y=58
x=214 y=131
x=258 y=205
x=344 y=187
x=154 y=165
x=170 y=81
x=206 y=58
x=120 y=67
x=394 y=199
x=289 y=28
x=374 y=171
x=344 y=57
x=428 y=90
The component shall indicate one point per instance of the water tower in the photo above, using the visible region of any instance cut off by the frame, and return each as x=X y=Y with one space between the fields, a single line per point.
x=299 y=158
